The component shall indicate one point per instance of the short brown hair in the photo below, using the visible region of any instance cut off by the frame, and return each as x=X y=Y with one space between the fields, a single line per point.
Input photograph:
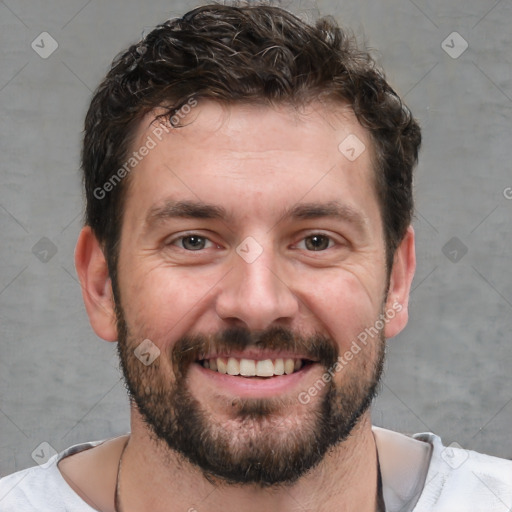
x=245 y=53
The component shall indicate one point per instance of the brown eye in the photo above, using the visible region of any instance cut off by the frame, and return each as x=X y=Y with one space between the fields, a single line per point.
x=317 y=242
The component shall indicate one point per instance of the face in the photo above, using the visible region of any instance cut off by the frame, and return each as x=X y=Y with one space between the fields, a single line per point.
x=252 y=257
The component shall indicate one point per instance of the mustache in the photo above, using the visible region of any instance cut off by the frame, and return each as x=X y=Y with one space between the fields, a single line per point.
x=189 y=348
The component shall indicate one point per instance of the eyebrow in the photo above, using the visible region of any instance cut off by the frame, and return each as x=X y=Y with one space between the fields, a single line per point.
x=303 y=211
x=185 y=210
x=331 y=209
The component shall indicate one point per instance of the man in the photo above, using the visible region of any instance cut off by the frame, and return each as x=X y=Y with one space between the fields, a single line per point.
x=248 y=243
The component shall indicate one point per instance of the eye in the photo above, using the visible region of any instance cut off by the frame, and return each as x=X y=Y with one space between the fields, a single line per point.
x=192 y=242
x=316 y=242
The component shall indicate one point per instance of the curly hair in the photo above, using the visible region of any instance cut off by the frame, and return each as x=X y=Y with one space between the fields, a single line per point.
x=254 y=53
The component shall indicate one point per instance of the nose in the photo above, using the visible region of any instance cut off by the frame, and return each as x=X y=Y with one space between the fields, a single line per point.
x=255 y=295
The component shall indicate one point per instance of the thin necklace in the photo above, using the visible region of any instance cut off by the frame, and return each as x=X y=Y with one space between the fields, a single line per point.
x=117 y=494
x=381 y=507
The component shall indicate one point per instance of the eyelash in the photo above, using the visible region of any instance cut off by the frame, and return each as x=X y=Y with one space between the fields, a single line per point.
x=176 y=241
x=323 y=235
x=191 y=235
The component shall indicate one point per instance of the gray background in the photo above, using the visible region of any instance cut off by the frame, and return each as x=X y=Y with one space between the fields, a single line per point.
x=448 y=372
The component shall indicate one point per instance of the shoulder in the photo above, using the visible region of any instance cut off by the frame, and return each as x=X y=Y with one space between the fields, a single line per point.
x=42 y=488
x=462 y=480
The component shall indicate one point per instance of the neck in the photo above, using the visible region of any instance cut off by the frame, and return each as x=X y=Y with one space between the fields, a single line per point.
x=153 y=478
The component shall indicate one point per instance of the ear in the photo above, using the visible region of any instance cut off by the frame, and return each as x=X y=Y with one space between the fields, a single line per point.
x=91 y=267
x=402 y=273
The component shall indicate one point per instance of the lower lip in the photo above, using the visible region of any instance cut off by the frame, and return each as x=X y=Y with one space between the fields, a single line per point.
x=254 y=387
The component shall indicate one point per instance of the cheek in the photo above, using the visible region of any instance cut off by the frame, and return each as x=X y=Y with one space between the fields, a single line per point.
x=164 y=298
x=344 y=306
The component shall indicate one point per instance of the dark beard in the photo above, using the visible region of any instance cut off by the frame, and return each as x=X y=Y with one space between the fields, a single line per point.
x=266 y=448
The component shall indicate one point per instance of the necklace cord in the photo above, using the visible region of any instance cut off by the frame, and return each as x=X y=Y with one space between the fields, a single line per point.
x=117 y=492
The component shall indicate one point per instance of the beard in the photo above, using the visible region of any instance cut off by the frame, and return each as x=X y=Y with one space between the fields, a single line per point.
x=258 y=444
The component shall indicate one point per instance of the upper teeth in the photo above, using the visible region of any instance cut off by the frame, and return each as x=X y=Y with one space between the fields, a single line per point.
x=253 y=368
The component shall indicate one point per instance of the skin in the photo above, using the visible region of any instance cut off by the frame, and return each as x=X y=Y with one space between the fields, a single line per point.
x=255 y=162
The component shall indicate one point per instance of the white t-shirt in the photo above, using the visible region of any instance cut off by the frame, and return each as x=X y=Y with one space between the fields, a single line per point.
x=418 y=474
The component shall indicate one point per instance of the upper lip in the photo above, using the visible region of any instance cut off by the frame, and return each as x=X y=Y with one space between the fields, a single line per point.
x=257 y=355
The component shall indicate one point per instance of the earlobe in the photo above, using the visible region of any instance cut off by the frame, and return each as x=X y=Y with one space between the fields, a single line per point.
x=92 y=270
x=402 y=273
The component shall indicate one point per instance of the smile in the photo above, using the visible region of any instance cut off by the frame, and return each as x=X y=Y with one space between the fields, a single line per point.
x=254 y=367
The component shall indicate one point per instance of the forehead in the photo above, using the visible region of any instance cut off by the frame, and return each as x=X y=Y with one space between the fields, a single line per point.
x=307 y=127
x=254 y=158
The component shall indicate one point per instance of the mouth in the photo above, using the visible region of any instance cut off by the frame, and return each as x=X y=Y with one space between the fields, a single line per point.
x=253 y=368
x=254 y=374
